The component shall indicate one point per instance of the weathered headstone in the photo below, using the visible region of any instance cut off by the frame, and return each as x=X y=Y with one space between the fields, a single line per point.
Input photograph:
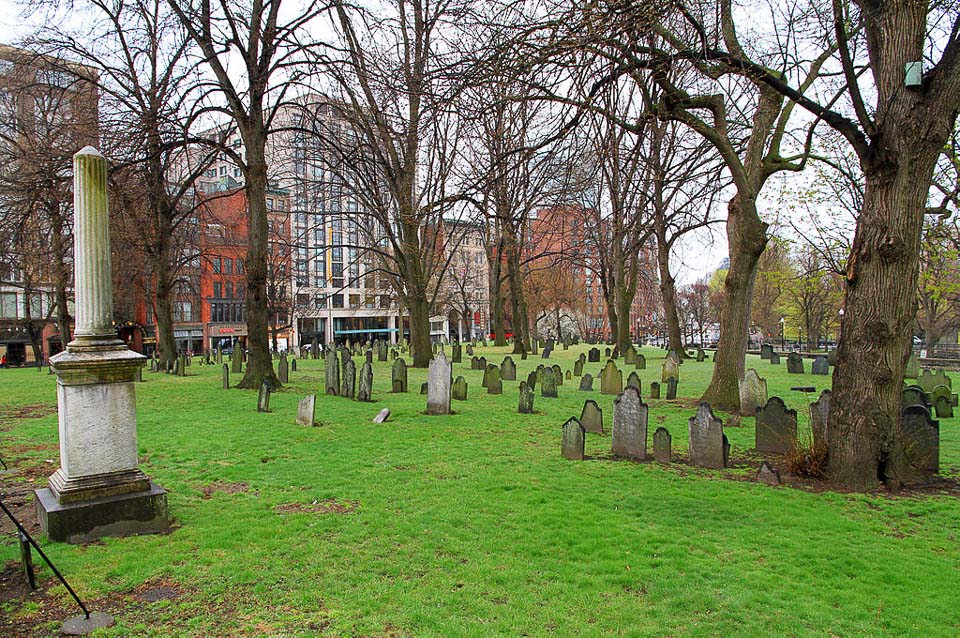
x=283 y=370
x=482 y=363
x=226 y=376
x=670 y=368
x=914 y=395
x=293 y=365
x=766 y=350
x=586 y=383
x=470 y=350
x=794 y=363
x=940 y=399
x=820 y=366
x=641 y=362
x=921 y=438
x=398 y=376
x=819 y=411
x=306 y=409
x=532 y=379
x=913 y=366
x=654 y=390
x=382 y=416
x=629 y=436
x=768 y=474
x=508 y=369
x=558 y=374
x=439 y=380
x=611 y=379
x=459 y=389
x=494 y=383
x=662 y=442
x=456 y=353
x=594 y=355
x=525 y=405
x=774 y=359
x=424 y=388
x=671 y=389
x=475 y=363
x=548 y=384
x=708 y=444
x=591 y=417
x=577 y=368
x=701 y=356
x=634 y=380
x=332 y=367
x=753 y=392
x=263 y=398
x=572 y=444
x=776 y=430
x=365 y=386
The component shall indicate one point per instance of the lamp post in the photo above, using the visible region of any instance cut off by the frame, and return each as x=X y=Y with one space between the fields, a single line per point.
x=782 y=344
x=840 y=326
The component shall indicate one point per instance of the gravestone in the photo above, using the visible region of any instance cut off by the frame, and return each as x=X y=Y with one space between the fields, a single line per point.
x=832 y=357
x=671 y=389
x=669 y=369
x=630 y=356
x=226 y=376
x=776 y=430
x=365 y=387
x=439 y=379
x=424 y=387
x=548 y=384
x=661 y=445
x=634 y=380
x=701 y=356
x=456 y=353
x=912 y=370
x=611 y=379
x=459 y=389
x=753 y=393
x=921 y=438
x=568 y=376
x=382 y=416
x=766 y=350
x=470 y=350
x=283 y=370
x=820 y=366
x=607 y=353
x=629 y=435
x=482 y=363
x=641 y=363
x=928 y=380
x=794 y=363
x=525 y=405
x=708 y=444
x=768 y=474
x=774 y=358
x=487 y=374
x=940 y=399
x=591 y=417
x=914 y=395
x=263 y=398
x=293 y=365
x=546 y=352
x=475 y=363
x=368 y=356
x=571 y=446
x=349 y=387
x=586 y=383
x=332 y=373
x=594 y=355
x=398 y=376
x=819 y=412
x=305 y=410
x=577 y=368
x=495 y=383
x=532 y=379
x=508 y=369
x=654 y=390
x=558 y=374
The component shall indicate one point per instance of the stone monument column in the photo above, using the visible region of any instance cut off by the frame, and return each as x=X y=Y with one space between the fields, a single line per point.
x=99 y=490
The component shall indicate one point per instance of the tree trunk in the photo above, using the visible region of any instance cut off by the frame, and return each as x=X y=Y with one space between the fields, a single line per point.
x=521 y=322
x=624 y=300
x=419 y=310
x=495 y=284
x=747 y=237
x=166 y=344
x=668 y=294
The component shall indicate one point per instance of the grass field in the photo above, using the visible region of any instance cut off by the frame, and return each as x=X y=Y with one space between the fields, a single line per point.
x=473 y=525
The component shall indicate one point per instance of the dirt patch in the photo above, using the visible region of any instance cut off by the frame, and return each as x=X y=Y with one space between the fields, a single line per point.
x=31 y=411
x=153 y=591
x=220 y=487
x=326 y=506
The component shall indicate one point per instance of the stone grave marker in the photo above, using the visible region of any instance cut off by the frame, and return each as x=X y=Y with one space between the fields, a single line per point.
x=662 y=442
x=670 y=368
x=368 y=356
x=482 y=363
x=591 y=417
x=365 y=386
x=382 y=416
x=459 y=389
x=293 y=365
x=939 y=397
x=708 y=444
x=263 y=398
x=630 y=356
x=532 y=379
x=594 y=355
x=913 y=366
x=398 y=376
x=525 y=405
x=349 y=387
x=914 y=395
x=928 y=380
x=701 y=356
x=794 y=363
x=768 y=474
x=577 y=368
x=753 y=393
x=586 y=383
x=774 y=359
x=495 y=382
x=921 y=438
x=558 y=374
x=568 y=376
x=470 y=350
x=548 y=384
x=819 y=411
x=456 y=353
x=671 y=389
x=439 y=380
x=654 y=390
x=424 y=387
x=641 y=362
x=572 y=444
x=508 y=369
x=820 y=366
x=283 y=369
x=611 y=379
x=765 y=351
x=475 y=363
x=776 y=430
x=629 y=436
x=226 y=376
x=305 y=410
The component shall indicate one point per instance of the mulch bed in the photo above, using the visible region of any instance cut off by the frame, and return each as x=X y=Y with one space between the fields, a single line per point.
x=326 y=506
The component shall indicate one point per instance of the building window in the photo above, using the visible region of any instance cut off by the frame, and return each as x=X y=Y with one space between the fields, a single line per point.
x=228 y=266
x=216 y=265
x=338 y=301
x=354 y=301
x=217 y=290
x=8 y=305
x=229 y=290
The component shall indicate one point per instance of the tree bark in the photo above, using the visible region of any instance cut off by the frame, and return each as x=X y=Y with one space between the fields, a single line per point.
x=668 y=294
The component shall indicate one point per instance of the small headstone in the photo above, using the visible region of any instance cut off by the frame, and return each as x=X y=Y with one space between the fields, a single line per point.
x=611 y=379
x=283 y=370
x=768 y=474
x=382 y=416
x=701 y=356
x=774 y=359
x=349 y=387
x=776 y=430
x=558 y=374
x=577 y=368
x=940 y=398
x=586 y=383
x=368 y=356
x=913 y=367
x=708 y=444
x=766 y=350
x=475 y=363
x=532 y=379
x=568 y=376
x=263 y=398
x=440 y=378
x=293 y=365
x=572 y=443
x=332 y=366
x=456 y=353
x=753 y=393
x=794 y=363
x=634 y=380
x=591 y=417
x=226 y=376
x=494 y=383
x=459 y=389
x=398 y=376
x=365 y=388
x=424 y=387
x=525 y=405
x=641 y=362
x=594 y=355
x=470 y=350
x=820 y=366
x=630 y=415
x=305 y=410
x=671 y=389
x=508 y=369
x=548 y=384
x=819 y=412
x=669 y=369
x=921 y=438
x=654 y=390
x=662 y=442
x=832 y=357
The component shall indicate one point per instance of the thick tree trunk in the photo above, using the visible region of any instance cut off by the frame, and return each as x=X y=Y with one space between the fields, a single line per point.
x=166 y=344
x=668 y=294
x=419 y=310
x=521 y=322
x=747 y=238
x=495 y=285
x=624 y=301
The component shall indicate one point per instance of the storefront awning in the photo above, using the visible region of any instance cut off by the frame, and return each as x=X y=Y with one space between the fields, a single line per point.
x=353 y=332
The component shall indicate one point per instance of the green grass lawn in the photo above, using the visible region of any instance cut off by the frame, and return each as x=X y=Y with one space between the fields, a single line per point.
x=473 y=525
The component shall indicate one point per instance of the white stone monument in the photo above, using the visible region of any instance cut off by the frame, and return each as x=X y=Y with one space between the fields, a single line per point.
x=98 y=489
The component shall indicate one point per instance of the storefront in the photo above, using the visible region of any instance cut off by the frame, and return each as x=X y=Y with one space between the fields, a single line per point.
x=189 y=339
x=226 y=336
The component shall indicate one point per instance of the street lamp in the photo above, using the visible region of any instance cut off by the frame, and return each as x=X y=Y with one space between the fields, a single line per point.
x=840 y=326
x=782 y=344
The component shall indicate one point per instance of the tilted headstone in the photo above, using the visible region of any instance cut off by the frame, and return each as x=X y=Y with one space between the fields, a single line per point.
x=820 y=366
x=708 y=444
x=586 y=383
x=794 y=363
x=263 y=398
x=558 y=374
x=912 y=370
x=577 y=368
x=591 y=417
x=594 y=355
x=382 y=416
x=921 y=438
x=487 y=375
x=459 y=389
x=548 y=384
x=365 y=386
x=305 y=410
x=774 y=359
x=398 y=376
x=766 y=350
x=495 y=383
x=532 y=379
x=819 y=413
x=611 y=379
x=226 y=376
x=670 y=368
x=525 y=405
x=332 y=366
x=654 y=390
x=641 y=362
x=671 y=389
x=439 y=380
x=662 y=442
x=283 y=370
x=572 y=444
x=629 y=436
x=776 y=430
x=753 y=392
x=768 y=474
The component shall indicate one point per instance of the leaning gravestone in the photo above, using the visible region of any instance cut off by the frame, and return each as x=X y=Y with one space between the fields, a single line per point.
x=333 y=374
x=382 y=416
x=671 y=389
x=532 y=379
x=365 y=389
x=611 y=379
x=591 y=417
x=548 y=384
x=577 y=368
x=820 y=366
x=494 y=384
x=774 y=359
x=776 y=431
x=525 y=405
x=305 y=410
x=629 y=435
x=571 y=446
x=708 y=444
x=634 y=380
x=558 y=374
x=794 y=363
x=661 y=445
x=669 y=369
x=641 y=363
x=586 y=383
x=439 y=378
x=283 y=370
x=263 y=398
x=594 y=355
x=654 y=390
x=349 y=387
x=226 y=376
x=768 y=474
x=398 y=376
x=819 y=412
x=753 y=393
x=487 y=375
x=508 y=369
x=921 y=438
x=459 y=389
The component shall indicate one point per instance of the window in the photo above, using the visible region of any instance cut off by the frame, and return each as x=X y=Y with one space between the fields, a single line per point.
x=239 y=266
x=229 y=290
x=320 y=301
x=182 y=311
x=217 y=290
x=216 y=265
x=354 y=301
x=228 y=266
x=338 y=301
x=8 y=305
x=223 y=170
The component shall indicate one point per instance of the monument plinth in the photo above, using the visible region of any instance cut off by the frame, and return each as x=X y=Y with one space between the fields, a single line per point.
x=99 y=489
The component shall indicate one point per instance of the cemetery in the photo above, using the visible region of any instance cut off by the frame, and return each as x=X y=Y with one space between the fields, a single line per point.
x=354 y=527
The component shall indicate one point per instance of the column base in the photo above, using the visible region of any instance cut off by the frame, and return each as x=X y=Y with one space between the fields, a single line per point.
x=121 y=515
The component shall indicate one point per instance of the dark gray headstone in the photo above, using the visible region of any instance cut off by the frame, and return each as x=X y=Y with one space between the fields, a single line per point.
x=456 y=353
x=654 y=390
x=753 y=392
x=475 y=363
x=558 y=374
x=766 y=350
x=508 y=369
x=283 y=369
x=819 y=413
x=586 y=383
x=921 y=438
x=820 y=366
x=671 y=389
x=263 y=398
x=591 y=417
x=794 y=363
x=548 y=384
x=708 y=445
x=776 y=430
x=577 y=368
x=572 y=444
x=226 y=376
x=365 y=387
x=332 y=366
x=398 y=376
x=305 y=410
x=293 y=365
x=525 y=405
x=495 y=382
x=641 y=362
x=629 y=435
x=634 y=380
x=532 y=379
x=459 y=389
x=349 y=387
x=594 y=355
x=424 y=388
x=661 y=445
x=774 y=359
